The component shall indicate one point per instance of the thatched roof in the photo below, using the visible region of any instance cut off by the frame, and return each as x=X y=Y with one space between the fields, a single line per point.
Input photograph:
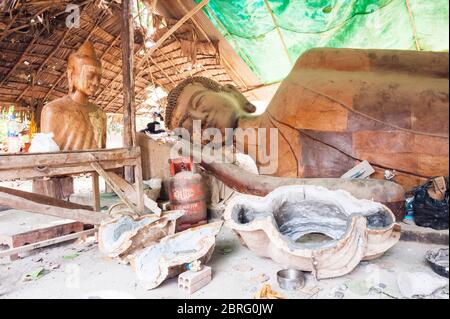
x=35 y=44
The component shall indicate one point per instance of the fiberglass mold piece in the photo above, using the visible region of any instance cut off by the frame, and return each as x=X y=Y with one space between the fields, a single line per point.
x=124 y=235
x=314 y=229
x=167 y=258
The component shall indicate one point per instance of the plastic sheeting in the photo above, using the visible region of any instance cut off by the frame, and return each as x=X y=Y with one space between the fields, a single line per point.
x=304 y=24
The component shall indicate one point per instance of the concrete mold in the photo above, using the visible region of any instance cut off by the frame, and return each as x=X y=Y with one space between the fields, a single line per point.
x=312 y=228
x=167 y=258
x=124 y=235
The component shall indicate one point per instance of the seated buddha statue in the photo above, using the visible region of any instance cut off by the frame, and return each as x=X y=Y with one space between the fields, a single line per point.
x=76 y=123
x=336 y=108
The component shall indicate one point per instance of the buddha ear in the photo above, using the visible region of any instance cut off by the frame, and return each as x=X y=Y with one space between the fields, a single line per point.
x=197 y=115
x=249 y=107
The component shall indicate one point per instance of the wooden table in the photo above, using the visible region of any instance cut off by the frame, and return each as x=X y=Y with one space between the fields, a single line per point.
x=96 y=162
x=38 y=165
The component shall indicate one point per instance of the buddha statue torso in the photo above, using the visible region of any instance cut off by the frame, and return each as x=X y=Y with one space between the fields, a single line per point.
x=75 y=126
x=76 y=123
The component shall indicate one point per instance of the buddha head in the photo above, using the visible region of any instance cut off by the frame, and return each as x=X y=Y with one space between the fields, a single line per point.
x=84 y=70
x=199 y=98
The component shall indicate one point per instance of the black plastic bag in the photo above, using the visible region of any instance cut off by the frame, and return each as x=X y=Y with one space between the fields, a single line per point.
x=429 y=212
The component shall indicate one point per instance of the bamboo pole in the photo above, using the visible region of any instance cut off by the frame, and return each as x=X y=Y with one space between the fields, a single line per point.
x=280 y=34
x=413 y=23
x=244 y=55
x=173 y=30
x=200 y=28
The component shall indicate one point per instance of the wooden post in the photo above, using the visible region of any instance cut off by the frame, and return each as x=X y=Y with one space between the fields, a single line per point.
x=113 y=179
x=139 y=185
x=129 y=111
x=96 y=192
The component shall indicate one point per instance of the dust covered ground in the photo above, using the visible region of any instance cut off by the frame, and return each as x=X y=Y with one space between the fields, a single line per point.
x=77 y=270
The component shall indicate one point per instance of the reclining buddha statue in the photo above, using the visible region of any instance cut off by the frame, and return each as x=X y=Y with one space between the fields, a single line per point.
x=338 y=107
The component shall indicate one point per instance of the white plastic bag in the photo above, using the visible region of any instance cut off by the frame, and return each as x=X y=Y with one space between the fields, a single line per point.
x=43 y=143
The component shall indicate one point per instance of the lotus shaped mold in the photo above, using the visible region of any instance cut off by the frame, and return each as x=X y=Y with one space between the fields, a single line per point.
x=312 y=228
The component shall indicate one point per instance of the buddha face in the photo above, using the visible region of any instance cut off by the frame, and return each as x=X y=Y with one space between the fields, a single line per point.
x=216 y=109
x=84 y=76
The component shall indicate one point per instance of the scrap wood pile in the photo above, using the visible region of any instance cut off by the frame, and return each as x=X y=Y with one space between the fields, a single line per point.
x=149 y=243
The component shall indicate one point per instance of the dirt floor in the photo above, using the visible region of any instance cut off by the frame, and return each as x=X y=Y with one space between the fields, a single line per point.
x=78 y=270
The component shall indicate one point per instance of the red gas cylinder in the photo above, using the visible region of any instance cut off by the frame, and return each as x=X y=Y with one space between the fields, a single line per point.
x=187 y=192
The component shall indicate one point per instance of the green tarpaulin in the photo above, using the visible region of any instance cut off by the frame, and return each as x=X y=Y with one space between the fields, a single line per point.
x=378 y=24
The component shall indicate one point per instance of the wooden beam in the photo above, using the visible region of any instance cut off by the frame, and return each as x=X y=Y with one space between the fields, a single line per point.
x=24 y=53
x=66 y=158
x=96 y=192
x=118 y=188
x=203 y=32
x=38 y=72
x=162 y=70
x=101 y=59
x=37 y=172
x=283 y=42
x=9 y=103
x=139 y=190
x=27 y=166
x=45 y=243
x=115 y=79
x=36 y=203
x=140 y=96
x=8 y=30
x=129 y=107
x=5 y=33
x=172 y=30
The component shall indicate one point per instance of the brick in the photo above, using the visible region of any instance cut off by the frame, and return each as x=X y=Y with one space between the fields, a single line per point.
x=191 y=277
x=164 y=205
x=191 y=281
x=191 y=288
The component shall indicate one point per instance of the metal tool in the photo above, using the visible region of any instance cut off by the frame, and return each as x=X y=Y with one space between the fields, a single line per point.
x=291 y=279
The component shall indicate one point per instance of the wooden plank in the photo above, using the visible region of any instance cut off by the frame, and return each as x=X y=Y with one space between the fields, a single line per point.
x=139 y=186
x=133 y=194
x=48 y=242
x=120 y=190
x=30 y=173
x=41 y=204
x=96 y=192
x=21 y=160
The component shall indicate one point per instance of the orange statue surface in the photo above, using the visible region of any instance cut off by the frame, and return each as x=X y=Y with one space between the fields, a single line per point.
x=76 y=123
x=338 y=107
